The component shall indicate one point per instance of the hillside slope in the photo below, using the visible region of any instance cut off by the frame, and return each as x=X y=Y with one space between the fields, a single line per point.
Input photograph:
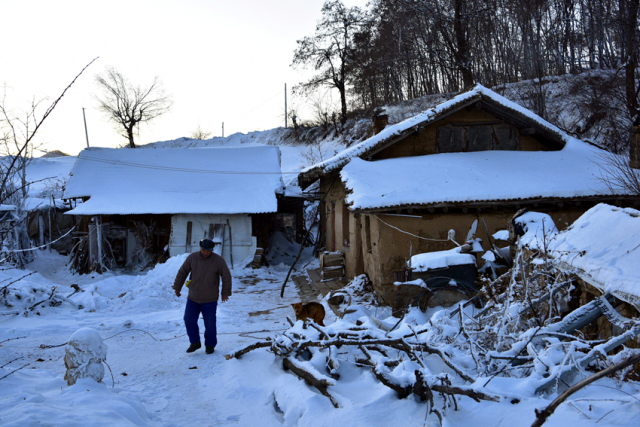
x=589 y=106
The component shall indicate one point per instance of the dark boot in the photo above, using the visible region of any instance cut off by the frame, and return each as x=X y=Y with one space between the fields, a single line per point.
x=209 y=350
x=193 y=347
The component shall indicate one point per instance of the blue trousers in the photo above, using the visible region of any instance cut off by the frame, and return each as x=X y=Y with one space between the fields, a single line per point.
x=191 y=315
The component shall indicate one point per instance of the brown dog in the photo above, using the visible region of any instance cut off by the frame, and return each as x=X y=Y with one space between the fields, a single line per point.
x=310 y=310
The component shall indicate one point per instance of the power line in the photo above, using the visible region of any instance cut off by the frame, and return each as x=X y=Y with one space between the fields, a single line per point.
x=174 y=169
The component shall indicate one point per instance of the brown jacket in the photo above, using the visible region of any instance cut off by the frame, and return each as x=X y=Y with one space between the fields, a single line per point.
x=205 y=277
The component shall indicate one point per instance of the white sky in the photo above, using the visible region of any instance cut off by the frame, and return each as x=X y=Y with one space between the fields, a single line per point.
x=220 y=60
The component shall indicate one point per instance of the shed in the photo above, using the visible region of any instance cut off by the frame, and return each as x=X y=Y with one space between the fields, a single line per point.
x=150 y=202
x=477 y=156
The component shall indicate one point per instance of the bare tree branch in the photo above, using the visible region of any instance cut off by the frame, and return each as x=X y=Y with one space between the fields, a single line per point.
x=127 y=105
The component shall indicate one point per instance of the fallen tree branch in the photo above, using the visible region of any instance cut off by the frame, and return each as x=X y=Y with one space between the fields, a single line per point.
x=403 y=391
x=318 y=383
x=53 y=291
x=541 y=416
x=475 y=395
x=11 y=361
x=239 y=353
x=15 y=281
x=397 y=343
x=13 y=372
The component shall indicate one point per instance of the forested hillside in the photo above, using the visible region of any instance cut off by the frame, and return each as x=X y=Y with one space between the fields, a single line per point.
x=395 y=51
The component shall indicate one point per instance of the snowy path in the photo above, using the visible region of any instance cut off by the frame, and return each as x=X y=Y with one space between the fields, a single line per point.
x=174 y=387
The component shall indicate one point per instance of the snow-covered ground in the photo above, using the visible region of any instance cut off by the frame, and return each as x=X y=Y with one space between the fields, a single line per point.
x=156 y=383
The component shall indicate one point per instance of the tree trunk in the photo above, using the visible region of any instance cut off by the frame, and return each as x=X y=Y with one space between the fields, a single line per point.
x=130 y=136
x=632 y=60
x=462 y=55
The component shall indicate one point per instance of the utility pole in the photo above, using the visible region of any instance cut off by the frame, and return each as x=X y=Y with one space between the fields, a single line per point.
x=86 y=134
x=223 y=129
x=285 y=105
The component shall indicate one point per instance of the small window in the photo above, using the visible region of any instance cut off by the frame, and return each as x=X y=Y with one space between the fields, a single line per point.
x=450 y=139
x=479 y=137
x=505 y=138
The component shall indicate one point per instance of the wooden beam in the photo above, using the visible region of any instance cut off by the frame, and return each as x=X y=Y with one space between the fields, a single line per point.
x=188 y=244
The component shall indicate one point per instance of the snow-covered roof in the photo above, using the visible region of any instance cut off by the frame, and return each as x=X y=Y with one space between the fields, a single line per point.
x=176 y=180
x=406 y=127
x=42 y=172
x=604 y=245
x=481 y=176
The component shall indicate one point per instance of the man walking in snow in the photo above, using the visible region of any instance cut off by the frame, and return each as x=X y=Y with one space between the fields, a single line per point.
x=206 y=268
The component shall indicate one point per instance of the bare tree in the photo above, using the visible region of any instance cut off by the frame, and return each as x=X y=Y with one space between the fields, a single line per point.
x=17 y=132
x=329 y=50
x=618 y=174
x=200 y=134
x=127 y=105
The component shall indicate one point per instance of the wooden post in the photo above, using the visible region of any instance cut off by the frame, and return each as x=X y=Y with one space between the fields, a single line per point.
x=230 y=243
x=50 y=239
x=99 y=237
x=210 y=231
x=40 y=229
x=188 y=245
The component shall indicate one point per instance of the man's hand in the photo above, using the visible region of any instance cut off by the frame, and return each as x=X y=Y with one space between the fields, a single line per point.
x=177 y=292
x=225 y=298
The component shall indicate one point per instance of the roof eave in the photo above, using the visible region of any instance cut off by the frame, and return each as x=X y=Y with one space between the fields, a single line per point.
x=489 y=203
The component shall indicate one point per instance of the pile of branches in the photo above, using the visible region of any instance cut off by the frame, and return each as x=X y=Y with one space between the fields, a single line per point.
x=397 y=361
x=145 y=237
x=27 y=298
x=81 y=261
x=521 y=332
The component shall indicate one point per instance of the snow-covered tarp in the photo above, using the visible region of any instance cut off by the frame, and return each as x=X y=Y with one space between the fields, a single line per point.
x=477 y=176
x=176 y=180
x=477 y=93
x=604 y=244
x=440 y=259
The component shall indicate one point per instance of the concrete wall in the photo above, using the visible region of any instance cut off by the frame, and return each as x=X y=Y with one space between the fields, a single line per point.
x=244 y=245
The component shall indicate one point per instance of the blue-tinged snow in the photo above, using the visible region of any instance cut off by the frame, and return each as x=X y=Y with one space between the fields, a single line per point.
x=176 y=180
x=604 y=244
x=477 y=176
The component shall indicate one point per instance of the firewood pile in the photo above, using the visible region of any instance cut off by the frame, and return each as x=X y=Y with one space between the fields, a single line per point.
x=527 y=330
x=306 y=346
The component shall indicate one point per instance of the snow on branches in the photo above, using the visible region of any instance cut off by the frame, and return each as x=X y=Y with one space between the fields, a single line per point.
x=526 y=326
